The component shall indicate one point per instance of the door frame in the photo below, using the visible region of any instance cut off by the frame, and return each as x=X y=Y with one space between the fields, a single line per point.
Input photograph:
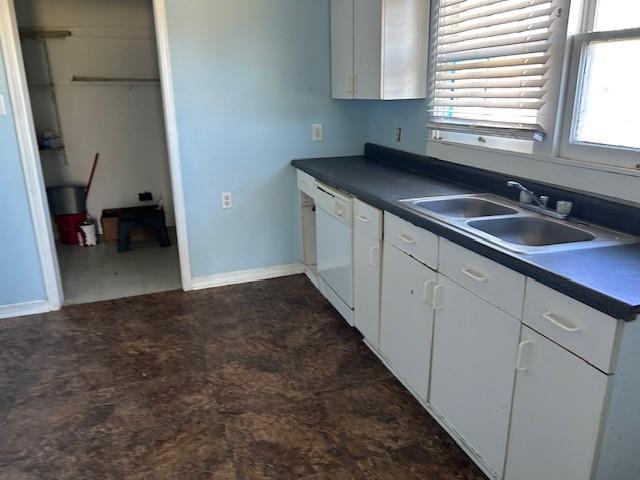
x=30 y=155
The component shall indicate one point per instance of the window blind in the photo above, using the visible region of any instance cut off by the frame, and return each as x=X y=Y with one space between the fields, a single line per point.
x=491 y=66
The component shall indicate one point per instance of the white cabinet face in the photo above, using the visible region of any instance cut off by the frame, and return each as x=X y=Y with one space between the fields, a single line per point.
x=379 y=49
x=474 y=356
x=557 y=409
x=367 y=258
x=342 y=48
x=406 y=318
x=366 y=47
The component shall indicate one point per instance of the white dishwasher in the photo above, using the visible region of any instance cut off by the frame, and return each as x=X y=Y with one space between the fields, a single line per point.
x=334 y=248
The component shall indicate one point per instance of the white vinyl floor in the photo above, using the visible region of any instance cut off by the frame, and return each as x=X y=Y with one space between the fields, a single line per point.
x=101 y=273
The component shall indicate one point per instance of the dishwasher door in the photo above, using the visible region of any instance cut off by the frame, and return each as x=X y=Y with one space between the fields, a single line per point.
x=334 y=242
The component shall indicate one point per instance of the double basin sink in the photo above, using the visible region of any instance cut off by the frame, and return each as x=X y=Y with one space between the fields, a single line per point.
x=505 y=224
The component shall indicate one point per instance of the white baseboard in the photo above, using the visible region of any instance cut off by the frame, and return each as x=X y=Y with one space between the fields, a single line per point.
x=246 y=276
x=27 y=308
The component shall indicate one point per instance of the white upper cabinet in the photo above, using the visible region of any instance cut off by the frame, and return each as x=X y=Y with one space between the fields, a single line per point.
x=379 y=49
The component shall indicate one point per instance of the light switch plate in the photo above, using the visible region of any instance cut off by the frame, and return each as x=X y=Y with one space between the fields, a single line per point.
x=3 y=106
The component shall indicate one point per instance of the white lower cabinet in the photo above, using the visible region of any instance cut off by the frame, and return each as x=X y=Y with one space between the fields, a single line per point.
x=406 y=318
x=475 y=346
x=367 y=258
x=557 y=409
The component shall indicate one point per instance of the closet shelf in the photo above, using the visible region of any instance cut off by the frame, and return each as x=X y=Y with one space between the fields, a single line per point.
x=114 y=80
x=29 y=33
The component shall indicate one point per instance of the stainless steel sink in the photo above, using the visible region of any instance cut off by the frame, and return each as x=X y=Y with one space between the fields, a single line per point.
x=531 y=231
x=503 y=223
x=464 y=207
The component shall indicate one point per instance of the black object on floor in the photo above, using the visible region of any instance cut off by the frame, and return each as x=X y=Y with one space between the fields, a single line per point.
x=141 y=217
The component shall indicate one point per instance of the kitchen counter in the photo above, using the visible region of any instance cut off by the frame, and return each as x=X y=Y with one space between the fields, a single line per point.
x=605 y=278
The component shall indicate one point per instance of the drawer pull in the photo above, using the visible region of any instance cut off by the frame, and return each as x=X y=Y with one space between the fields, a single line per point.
x=474 y=275
x=519 y=362
x=427 y=292
x=363 y=219
x=560 y=322
x=406 y=238
x=438 y=297
x=373 y=255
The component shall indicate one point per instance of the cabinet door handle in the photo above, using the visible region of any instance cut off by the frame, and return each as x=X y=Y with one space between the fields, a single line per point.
x=406 y=238
x=350 y=84
x=363 y=219
x=474 y=275
x=560 y=322
x=519 y=362
x=355 y=84
x=438 y=297
x=373 y=256
x=427 y=292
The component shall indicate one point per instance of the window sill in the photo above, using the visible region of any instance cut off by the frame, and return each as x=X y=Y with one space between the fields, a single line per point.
x=582 y=164
x=616 y=183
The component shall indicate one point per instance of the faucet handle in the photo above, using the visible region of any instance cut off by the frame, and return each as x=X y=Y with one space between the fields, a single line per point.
x=564 y=207
x=525 y=197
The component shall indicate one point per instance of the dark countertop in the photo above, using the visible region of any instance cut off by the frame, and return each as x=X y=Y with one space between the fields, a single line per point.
x=605 y=278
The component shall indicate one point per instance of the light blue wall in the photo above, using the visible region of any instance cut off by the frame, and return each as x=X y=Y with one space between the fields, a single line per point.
x=410 y=115
x=20 y=273
x=250 y=79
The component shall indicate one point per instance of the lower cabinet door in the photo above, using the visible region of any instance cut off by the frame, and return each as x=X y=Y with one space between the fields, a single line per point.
x=473 y=368
x=557 y=410
x=367 y=258
x=406 y=318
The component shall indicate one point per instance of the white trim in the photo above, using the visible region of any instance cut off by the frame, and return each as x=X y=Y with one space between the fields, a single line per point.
x=621 y=157
x=27 y=308
x=29 y=154
x=173 y=146
x=246 y=276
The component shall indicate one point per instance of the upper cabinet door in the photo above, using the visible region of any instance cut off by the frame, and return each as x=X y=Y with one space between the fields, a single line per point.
x=474 y=357
x=405 y=51
x=367 y=41
x=557 y=408
x=342 y=76
x=379 y=49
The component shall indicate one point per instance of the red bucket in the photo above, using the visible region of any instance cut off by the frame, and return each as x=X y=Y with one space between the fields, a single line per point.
x=68 y=227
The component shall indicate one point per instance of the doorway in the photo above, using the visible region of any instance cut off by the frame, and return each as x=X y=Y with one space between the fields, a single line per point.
x=94 y=83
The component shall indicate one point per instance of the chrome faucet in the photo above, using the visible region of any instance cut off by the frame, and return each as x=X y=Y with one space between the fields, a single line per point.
x=527 y=198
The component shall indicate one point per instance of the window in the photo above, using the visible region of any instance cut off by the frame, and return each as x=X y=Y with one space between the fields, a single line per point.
x=493 y=68
x=602 y=119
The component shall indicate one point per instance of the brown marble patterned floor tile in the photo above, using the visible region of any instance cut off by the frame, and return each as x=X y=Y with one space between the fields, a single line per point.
x=257 y=381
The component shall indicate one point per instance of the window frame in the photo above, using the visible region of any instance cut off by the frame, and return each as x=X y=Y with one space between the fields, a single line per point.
x=553 y=105
x=555 y=148
x=616 y=156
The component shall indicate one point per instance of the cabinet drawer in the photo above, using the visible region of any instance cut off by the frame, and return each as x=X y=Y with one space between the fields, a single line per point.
x=583 y=330
x=417 y=242
x=367 y=219
x=306 y=183
x=495 y=283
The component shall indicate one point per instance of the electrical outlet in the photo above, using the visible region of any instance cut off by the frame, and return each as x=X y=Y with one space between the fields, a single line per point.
x=316 y=132
x=3 y=107
x=398 y=135
x=226 y=200
x=145 y=196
